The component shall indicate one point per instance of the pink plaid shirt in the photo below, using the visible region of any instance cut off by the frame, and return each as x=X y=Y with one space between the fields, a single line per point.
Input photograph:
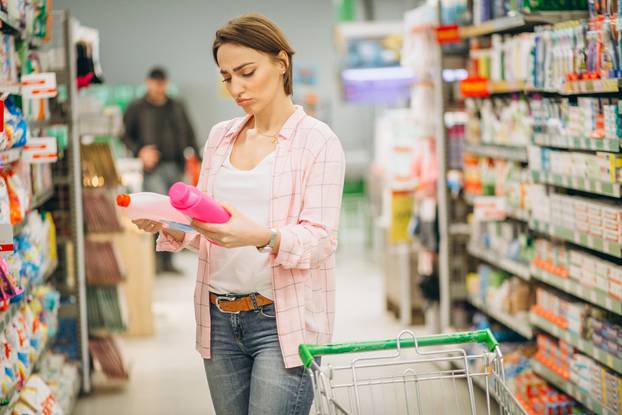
x=307 y=186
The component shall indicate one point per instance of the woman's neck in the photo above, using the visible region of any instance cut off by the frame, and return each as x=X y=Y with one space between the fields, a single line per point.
x=271 y=118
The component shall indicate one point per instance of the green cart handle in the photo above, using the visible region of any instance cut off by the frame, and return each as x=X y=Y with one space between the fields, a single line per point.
x=307 y=352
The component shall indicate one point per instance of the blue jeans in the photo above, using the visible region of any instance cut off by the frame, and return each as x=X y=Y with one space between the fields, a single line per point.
x=246 y=374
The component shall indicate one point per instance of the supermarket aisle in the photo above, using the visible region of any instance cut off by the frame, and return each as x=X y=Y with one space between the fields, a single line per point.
x=166 y=372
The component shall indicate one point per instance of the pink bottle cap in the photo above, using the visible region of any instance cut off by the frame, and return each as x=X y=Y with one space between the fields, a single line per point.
x=181 y=196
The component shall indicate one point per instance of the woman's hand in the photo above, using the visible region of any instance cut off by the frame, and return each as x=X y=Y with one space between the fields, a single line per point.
x=148 y=225
x=151 y=226
x=238 y=231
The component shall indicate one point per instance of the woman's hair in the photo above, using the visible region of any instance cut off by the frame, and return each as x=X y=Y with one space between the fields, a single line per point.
x=260 y=33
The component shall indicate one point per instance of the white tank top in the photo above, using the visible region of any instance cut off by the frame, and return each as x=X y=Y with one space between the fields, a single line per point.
x=243 y=270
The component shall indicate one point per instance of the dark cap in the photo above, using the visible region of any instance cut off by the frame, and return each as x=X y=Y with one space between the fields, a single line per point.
x=157 y=73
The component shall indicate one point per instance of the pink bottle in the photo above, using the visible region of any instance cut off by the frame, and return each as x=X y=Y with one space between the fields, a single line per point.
x=154 y=207
x=190 y=201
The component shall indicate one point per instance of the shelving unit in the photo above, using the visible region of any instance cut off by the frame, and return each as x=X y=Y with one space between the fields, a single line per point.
x=591 y=295
x=520 y=326
x=587 y=347
x=498 y=151
x=599 y=190
x=560 y=383
x=513 y=267
x=59 y=199
x=578 y=183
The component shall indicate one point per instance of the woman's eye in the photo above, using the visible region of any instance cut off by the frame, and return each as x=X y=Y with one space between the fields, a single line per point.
x=248 y=75
x=226 y=80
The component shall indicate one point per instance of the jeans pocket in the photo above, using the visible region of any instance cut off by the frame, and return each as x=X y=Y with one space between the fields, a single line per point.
x=268 y=311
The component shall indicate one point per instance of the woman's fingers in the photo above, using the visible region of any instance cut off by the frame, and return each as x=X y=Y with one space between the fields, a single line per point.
x=148 y=225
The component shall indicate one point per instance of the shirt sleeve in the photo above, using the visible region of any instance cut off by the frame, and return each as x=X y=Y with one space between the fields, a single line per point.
x=313 y=239
x=167 y=243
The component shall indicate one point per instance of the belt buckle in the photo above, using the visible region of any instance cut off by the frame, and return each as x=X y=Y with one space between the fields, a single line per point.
x=225 y=298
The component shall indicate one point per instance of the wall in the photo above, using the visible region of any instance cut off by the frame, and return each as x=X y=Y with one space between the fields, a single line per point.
x=137 y=34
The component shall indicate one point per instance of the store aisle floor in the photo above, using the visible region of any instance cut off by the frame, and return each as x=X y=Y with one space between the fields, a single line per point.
x=166 y=372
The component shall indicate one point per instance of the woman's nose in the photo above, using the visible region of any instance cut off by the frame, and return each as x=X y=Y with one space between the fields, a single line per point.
x=236 y=87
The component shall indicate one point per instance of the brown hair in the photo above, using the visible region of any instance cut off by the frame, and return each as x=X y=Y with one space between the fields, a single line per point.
x=260 y=33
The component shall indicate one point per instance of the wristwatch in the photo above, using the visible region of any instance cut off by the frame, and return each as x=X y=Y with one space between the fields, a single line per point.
x=270 y=245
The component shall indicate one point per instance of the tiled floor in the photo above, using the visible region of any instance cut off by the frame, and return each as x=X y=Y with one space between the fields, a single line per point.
x=167 y=374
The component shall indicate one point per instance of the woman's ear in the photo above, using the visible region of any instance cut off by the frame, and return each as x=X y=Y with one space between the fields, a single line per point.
x=283 y=59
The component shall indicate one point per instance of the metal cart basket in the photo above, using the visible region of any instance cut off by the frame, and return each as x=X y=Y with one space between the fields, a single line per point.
x=398 y=376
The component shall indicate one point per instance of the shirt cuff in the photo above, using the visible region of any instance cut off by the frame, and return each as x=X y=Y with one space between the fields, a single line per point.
x=167 y=243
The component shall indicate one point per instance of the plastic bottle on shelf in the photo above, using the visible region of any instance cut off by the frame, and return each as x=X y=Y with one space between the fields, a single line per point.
x=153 y=206
x=192 y=202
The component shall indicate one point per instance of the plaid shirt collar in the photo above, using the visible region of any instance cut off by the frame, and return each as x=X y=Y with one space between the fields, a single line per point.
x=286 y=132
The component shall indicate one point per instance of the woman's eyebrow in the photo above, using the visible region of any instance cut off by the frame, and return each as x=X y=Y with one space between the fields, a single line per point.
x=237 y=68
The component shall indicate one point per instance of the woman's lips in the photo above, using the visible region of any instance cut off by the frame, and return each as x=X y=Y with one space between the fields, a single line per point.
x=243 y=102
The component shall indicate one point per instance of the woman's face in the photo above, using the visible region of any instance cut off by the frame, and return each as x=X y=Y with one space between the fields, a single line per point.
x=254 y=79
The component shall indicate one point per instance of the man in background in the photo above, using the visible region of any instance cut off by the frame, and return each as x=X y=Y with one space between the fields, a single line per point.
x=157 y=130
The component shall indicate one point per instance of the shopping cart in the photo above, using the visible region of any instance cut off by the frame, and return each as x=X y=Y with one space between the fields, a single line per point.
x=397 y=377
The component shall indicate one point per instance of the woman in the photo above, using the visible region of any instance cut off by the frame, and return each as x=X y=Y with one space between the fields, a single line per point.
x=266 y=278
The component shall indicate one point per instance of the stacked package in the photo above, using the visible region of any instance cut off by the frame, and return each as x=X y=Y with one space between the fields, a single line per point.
x=605 y=167
x=582 y=371
x=594 y=217
x=539 y=398
x=504 y=238
x=500 y=291
x=583 y=268
x=605 y=331
x=561 y=311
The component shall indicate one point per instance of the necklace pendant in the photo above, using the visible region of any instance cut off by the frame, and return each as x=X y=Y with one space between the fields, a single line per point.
x=275 y=140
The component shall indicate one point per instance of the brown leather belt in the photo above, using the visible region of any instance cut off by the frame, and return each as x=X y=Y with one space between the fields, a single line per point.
x=230 y=304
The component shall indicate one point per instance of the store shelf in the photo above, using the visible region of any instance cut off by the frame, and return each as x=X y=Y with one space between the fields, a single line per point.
x=10 y=156
x=519 y=214
x=506 y=87
x=568 y=388
x=513 y=267
x=589 y=86
x=520 y=326
x=575 y=340
x=577 y=143
x=516 y=22
x=591 y=295
x=577 y=238
x=496 y=151
x=578 y=183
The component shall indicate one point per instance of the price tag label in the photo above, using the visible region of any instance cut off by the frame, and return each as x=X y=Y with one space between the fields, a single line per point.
x=40 y=150
x=39 y=85
x=6 y=239
x=489 y=208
